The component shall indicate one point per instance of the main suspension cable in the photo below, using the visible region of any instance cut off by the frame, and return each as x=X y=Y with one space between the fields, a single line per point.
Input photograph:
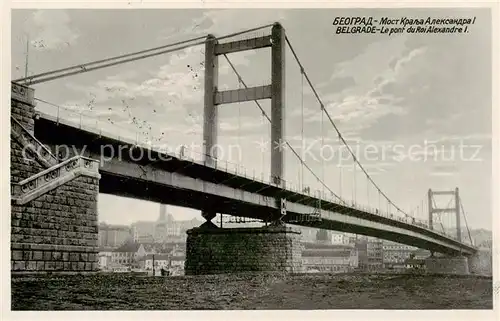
x=88 y=64
x=465 y=218
x=85 y=67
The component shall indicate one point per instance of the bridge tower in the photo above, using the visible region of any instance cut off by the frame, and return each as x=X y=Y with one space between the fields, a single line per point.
x=449 y=264
x=454 y=209
x=274 y=247
x=274 y=91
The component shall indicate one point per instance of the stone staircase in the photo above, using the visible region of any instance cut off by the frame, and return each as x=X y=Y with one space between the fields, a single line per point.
x=56 y=173
x=43 y=155
x=53 y=177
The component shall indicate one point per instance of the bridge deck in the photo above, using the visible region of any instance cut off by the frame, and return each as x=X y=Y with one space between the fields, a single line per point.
x=123 y=183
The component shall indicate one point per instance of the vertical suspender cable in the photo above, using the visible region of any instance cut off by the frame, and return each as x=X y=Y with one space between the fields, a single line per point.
x=423 y=211
x=354 y=182
x=379 y=209
x=262 y=142
x=368 y=191
x=268 y=134
x=333 y=124
x=321 y=154
x=27 y=56
x=286 y=142
x=301 y=168
x=341 y=168
x=239 y=116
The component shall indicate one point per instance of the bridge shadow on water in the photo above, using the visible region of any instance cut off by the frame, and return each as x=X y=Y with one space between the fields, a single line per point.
x=251 y=291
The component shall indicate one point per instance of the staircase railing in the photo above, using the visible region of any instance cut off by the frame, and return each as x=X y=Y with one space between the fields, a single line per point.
x=53 y=177
x=23 y=136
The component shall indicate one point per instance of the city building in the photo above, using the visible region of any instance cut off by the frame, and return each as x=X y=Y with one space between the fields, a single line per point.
x=128 y=254
x=165 y=247
x=143 y=231
x=323 y=257
x=375 y=254
x=414 y=264
x=323 y=236
x=177 y=264
x=158 y=260
x=339 y=238
x=370 y=253
x=420 y=254
x=185 y=225
x=106 y=251
x=105 y=257
x=361 y=246
x=113 y=235
x=395 y=254
x=173 y=252
x=166 y=226
x=393 y=246
x=118 y=268
x=174 y=264
x=308 y=234
x=104 y=261
x=165 y=229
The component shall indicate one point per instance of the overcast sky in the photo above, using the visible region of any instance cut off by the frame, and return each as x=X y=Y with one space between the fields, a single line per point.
x=388 y=95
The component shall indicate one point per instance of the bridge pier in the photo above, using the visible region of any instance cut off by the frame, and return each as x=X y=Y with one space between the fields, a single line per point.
x=447 y=265
x=208 y=215
x=233 y=250
x=481 y=263
x=53 y=204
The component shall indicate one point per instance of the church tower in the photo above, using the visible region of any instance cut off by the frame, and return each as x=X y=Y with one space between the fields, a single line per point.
x=163 y=213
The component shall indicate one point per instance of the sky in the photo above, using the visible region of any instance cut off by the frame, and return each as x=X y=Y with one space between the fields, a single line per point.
x=415 y=108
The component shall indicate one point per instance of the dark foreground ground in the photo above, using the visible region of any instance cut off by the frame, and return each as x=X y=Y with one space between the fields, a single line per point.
x=127 y=292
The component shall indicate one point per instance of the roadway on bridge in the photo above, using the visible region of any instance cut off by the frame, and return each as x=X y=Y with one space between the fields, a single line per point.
x=136 y=179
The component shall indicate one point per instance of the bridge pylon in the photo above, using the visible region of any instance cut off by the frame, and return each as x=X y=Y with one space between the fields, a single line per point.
x=454 y=209
x=274 y=91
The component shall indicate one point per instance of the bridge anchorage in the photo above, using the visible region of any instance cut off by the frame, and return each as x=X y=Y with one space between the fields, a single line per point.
x=54 y=201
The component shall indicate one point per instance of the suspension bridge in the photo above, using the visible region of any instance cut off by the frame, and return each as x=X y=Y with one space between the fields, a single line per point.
x=201 y=180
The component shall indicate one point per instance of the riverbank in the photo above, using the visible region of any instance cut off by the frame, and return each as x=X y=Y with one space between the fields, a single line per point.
x=250 y=291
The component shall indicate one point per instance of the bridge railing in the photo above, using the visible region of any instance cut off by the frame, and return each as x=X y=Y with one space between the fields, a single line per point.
x=107 y=128
x=45 y=180
x=98 y=125
x=104 y=127
x=31 y=143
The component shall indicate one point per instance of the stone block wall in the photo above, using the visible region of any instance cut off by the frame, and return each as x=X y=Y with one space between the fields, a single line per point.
x=481 y=263
x=229 y=250
x=23 y=110
x=447 y=265
x=23 y=106
x=57 y=231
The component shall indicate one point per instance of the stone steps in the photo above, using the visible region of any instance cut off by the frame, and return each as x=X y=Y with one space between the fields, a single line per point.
x=53 y=177
x=54 y=223
x=29 y=143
